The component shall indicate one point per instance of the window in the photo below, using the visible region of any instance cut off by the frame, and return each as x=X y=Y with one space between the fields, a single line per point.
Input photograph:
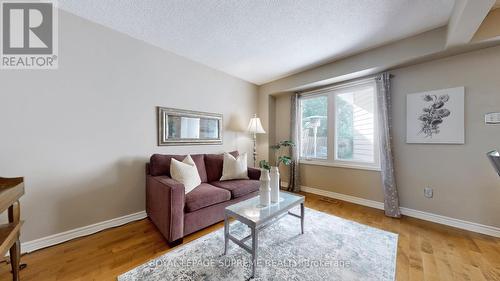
x=314 y=133
x=338 y=127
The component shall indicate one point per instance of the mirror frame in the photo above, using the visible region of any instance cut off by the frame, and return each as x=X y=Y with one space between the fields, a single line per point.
x=164 y=112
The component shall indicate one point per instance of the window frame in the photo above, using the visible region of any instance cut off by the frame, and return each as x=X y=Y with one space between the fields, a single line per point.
x=332 y=160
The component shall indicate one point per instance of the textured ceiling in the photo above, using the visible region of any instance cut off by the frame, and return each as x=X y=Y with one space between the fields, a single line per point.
x=260 y=41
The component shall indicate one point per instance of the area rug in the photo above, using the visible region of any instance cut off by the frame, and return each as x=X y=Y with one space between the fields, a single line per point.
x=331 y=248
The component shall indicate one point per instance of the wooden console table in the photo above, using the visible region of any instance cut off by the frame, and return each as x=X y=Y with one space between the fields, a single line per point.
x=11 y=189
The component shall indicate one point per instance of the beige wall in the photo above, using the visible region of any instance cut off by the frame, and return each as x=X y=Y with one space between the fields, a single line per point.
x=354 y=182
x=465 y=186
x=281 y=112
x=81 y=135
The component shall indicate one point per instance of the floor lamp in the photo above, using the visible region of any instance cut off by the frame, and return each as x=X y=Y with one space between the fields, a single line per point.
x=255 y=127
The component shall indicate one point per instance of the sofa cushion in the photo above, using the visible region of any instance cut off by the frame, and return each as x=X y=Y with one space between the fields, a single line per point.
x=159 y=164
x=238 y=188
x=205 y=195
x=234 y=168
x=186 y=173
x=213 y=165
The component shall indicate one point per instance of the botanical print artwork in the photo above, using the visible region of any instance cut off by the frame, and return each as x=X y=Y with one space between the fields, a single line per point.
x=434 y=114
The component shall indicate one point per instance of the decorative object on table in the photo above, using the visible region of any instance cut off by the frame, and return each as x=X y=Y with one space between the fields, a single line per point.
x=275 y=184
x=280 y=159
x=186 y=127
x=345 y=250
x=255 y=127
x=234 y=168
x=11 y=189
x=264 y=190
x=436 y=116
x=494 y=157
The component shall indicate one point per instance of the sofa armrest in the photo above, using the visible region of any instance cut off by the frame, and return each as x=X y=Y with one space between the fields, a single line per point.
x=254 y=173
x=165 y=206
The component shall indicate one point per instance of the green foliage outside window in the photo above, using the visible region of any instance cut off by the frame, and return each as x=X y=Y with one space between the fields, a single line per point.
x=344 y=128
x=315 y=107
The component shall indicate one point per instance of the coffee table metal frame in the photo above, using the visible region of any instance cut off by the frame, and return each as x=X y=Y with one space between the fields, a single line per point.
x=257 y=226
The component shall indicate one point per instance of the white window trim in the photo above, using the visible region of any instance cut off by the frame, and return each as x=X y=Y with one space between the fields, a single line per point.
x=332 y=160
x=338 y=164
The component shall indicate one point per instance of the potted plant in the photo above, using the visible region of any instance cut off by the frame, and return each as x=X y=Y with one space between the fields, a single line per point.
x=280 y=158
x=274 y=170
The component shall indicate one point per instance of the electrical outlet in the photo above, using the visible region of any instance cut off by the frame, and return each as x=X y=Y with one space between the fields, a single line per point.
x=428 y=192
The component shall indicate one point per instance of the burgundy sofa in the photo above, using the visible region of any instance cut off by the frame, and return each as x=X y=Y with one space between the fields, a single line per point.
x=177 y=214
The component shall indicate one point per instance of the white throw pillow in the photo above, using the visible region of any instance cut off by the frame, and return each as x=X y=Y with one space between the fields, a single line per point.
x=234 y=168
x=185 y=172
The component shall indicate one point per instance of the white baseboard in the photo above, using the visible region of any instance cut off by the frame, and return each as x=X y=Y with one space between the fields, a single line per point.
x=343 y=197
x=30 y=246
x=466 y=225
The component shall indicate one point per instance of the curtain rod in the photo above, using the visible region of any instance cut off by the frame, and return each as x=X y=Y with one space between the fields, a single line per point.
x=342 y=84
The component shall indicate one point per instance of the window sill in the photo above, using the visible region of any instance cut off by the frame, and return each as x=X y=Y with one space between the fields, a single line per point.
x=339 y=165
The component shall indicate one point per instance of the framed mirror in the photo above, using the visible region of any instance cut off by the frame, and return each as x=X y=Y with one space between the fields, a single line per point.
x=186 y=127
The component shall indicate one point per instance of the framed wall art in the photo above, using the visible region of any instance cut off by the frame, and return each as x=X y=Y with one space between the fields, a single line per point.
x=436 y=116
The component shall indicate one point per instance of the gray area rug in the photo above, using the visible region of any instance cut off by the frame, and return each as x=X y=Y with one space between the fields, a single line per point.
x=330 y=249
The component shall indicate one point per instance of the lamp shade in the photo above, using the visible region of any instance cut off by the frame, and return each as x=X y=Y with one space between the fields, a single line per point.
x=255 y=127
x=494 y=157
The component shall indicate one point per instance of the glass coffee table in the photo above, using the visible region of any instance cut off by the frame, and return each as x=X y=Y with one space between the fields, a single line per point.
x=257 y=217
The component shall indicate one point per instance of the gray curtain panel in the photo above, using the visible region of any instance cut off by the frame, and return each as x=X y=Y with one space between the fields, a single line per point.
x=294 y=181
x=391 y=199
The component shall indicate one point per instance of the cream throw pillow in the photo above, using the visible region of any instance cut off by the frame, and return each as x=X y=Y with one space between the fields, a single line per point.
x=234 y=168
x=185 y=172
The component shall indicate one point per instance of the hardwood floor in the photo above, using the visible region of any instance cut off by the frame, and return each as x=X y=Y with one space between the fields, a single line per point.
x=426 y=251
